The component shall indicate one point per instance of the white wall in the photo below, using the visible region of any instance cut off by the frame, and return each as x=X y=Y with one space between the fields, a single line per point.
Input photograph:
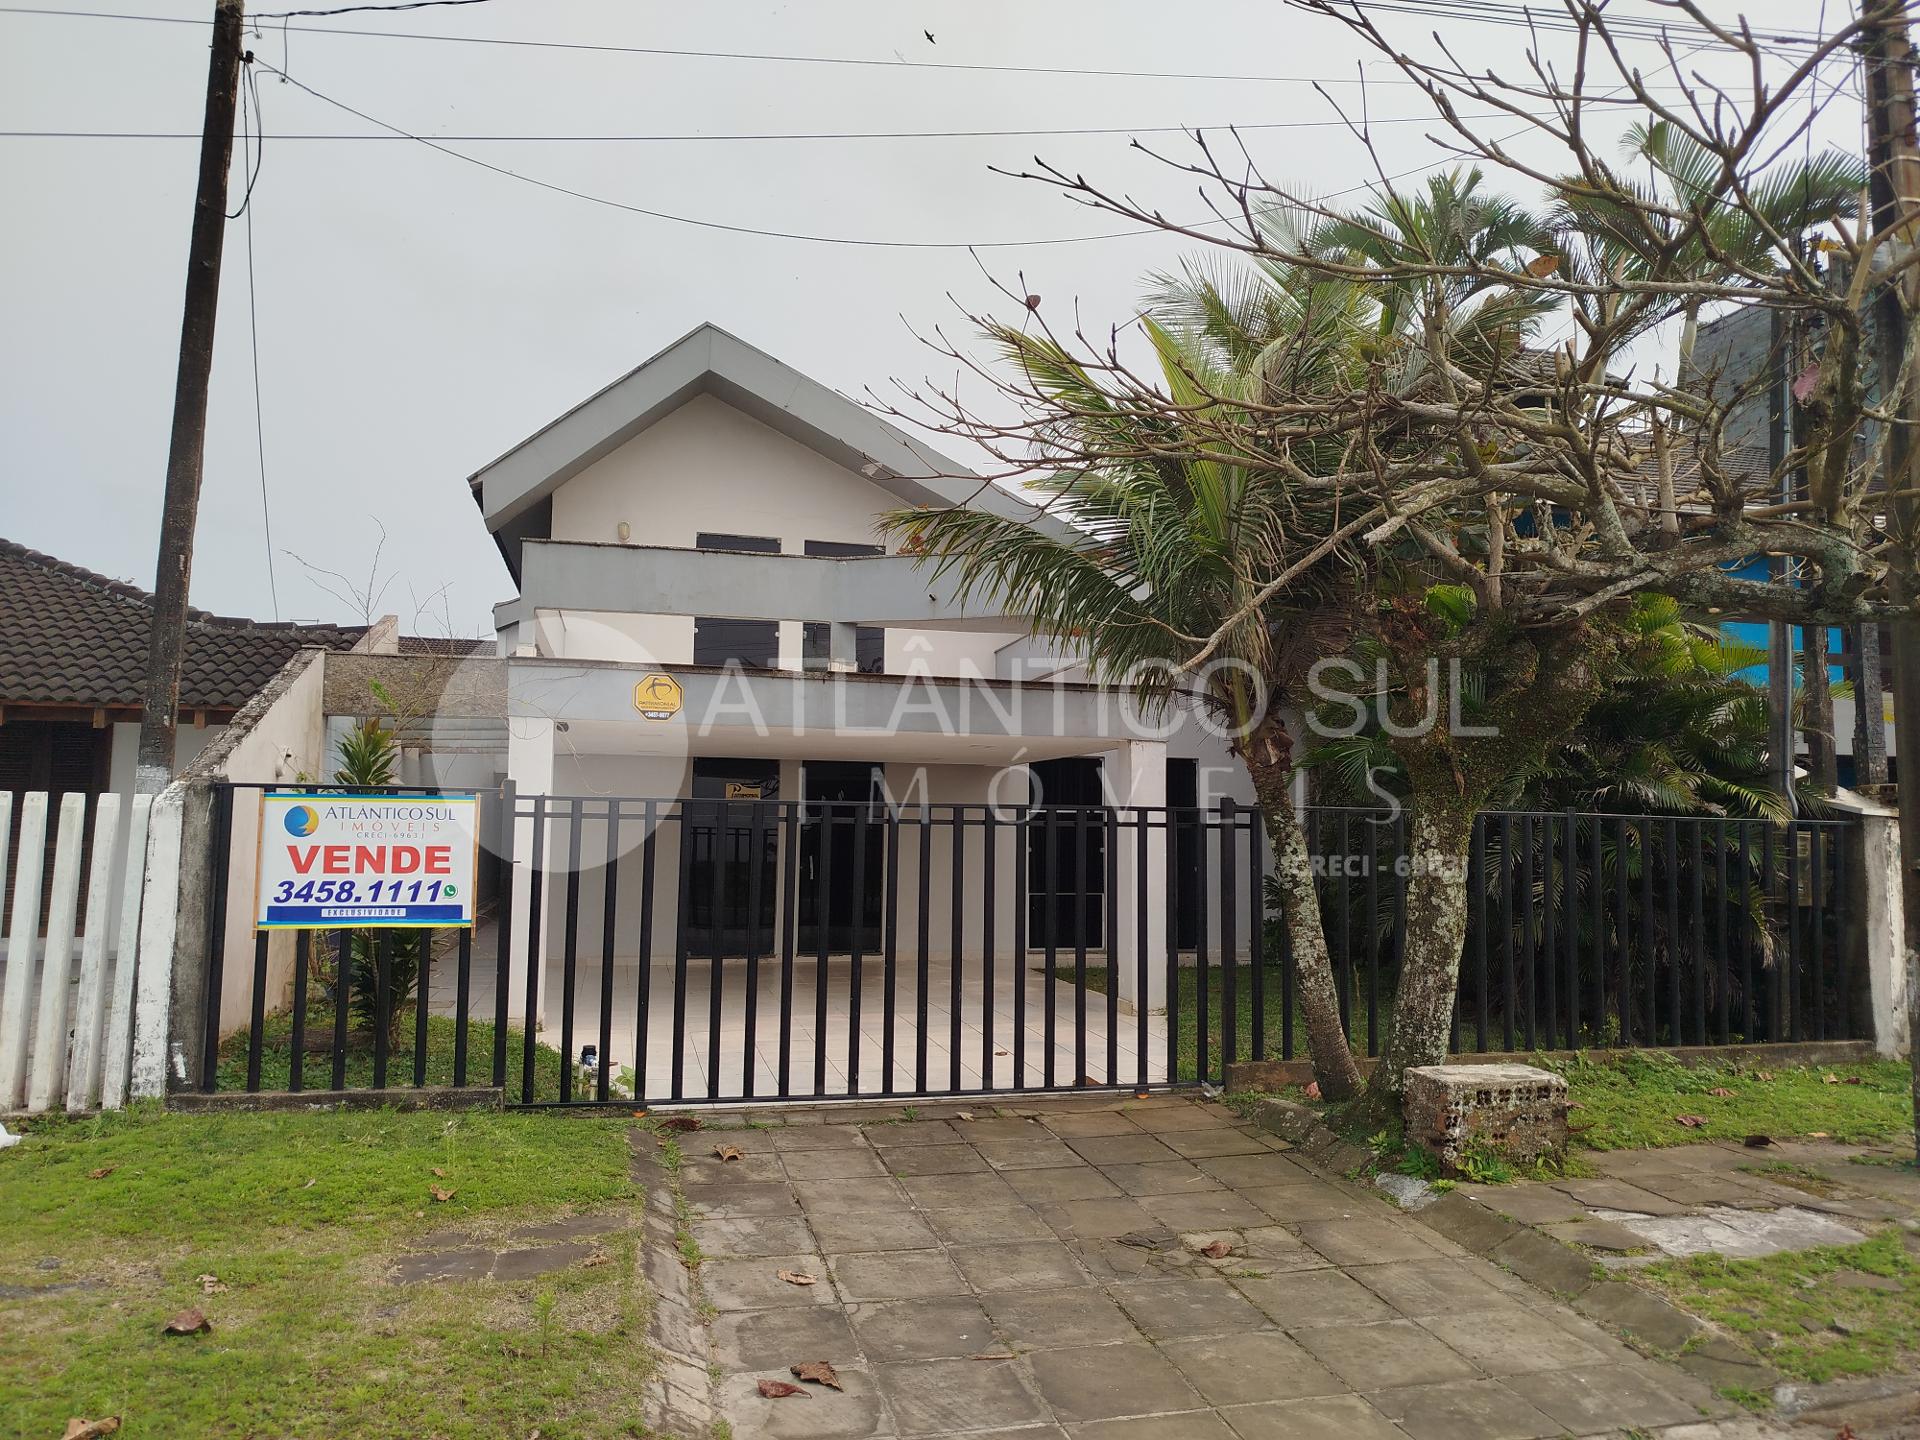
x=708 y=467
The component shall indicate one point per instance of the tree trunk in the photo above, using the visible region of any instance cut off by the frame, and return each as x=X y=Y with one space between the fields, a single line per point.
x=1333 y=1063
x=1440 y=836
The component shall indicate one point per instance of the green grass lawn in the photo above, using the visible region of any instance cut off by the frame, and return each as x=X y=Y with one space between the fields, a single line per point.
x=299 y=1217
x=276 y=1056
x=1809 y=1313
x=1631 y=1102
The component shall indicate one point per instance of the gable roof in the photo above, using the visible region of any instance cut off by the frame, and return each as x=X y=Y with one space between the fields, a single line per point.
x=69 y=636
x=512 y=491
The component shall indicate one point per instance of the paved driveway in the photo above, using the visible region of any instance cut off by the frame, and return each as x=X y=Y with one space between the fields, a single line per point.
x=1041 y=1277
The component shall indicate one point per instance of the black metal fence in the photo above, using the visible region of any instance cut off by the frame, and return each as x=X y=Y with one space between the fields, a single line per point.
x=714 y=950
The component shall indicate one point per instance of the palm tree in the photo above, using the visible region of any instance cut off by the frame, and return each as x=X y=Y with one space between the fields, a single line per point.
x=1168 y=539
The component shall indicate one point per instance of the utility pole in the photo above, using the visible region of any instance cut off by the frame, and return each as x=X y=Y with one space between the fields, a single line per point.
x=1893 y=171
x=1780 y=736
x=186 y=449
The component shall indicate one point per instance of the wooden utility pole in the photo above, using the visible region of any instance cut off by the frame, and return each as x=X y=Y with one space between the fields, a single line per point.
x=186 y=449
x=1893 y=177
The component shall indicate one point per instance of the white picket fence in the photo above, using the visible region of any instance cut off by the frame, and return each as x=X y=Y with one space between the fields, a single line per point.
x=69 y=1039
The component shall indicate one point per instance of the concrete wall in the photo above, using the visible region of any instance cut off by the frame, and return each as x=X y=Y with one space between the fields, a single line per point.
x=708 y=467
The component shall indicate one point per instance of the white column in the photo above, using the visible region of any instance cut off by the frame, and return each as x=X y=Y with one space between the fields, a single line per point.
x=1885 y=934
x=23 y=951
x=530 y=767
x=1136 y=776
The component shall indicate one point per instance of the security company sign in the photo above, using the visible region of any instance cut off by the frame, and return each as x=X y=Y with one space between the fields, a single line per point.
x=337 y=861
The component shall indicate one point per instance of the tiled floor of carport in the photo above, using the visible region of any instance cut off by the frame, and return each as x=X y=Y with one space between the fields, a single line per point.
x=1039 y=1278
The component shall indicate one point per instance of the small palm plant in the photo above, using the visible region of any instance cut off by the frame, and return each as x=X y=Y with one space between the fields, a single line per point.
x=367 y=754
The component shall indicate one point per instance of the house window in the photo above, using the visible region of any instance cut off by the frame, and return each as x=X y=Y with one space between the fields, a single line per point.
x=720 y=641
x=869 y=641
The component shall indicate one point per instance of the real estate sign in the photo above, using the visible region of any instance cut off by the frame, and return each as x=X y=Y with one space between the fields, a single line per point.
x=351 y=861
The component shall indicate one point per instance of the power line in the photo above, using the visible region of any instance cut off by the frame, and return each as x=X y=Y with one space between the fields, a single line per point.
x=771 y=135
x=362 y=9
x=749 y=55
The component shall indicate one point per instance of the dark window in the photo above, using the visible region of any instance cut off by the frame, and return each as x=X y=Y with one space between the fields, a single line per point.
x=1067 y=853
x=755 y=544
x=59 y=757
x=1189 y=835
x=752 y=643
x=869 y=641
x=731 y=835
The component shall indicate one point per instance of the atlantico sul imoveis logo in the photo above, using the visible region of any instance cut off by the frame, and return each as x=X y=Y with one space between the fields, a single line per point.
x=302 y=820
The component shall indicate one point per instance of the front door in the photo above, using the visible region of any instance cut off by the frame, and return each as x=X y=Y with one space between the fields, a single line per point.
x=1067 y=855
x=730 y=842
x=842 y=860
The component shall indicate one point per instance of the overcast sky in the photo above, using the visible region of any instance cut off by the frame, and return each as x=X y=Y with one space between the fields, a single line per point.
x=419 y=315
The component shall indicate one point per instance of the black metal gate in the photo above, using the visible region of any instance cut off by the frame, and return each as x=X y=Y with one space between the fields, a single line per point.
x=728 y=949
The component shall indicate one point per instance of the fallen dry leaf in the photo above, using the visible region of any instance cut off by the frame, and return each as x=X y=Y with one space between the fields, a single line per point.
x=820 y=1372
x=309 y=1185
x=1692 y=1122
x=102 y=1172
x=438 y=1173
x=440 y=1195
x=795 y=1277
x=681 y=1123
x=780 y=1390
x=1829 y=1078
x=187 y=1322
x=599 y=1257
x=1218 y=1250
x=419 y=1214
x=1722 y=1091
x=1816 y=1135
x=211 y=1284
x=729 y=1152
x=1763 y=1075
x=964 y=1115
x=1312 y=1092
x=79 y=1429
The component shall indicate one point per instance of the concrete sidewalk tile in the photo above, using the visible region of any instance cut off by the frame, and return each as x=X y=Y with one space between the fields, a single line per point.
x=704 y=1173
x=1617 y=1195
x=1103 y=1382
x=952 y=1327
x=769 y=1339
x=989 y=1128
x=1347 y=1417
x=1250 y=1367
x=1544 y=1262
x=852 y=1413
x=1273 y=1247
x=1386 y=1356
x=1247 y=1171
x=930 y=1397
x=1529 y=1202
x=832 y=1164
x=984 y=1226
x=1079 y=1182
x=756 y=1284
x=1510 y=1340
x=822 y=1197
x=1210 y=1210
x=1604 y=1397
x=1038 y=1152
x=861 y=1230
x=1417 y=1288
x=1464 y=1410
x=895 y=1275
x=734 y=1201
x=1170 y=1309
x=1059 y=1319
x=912 y=1133
x=1172 y=1176
x=1067 y=1124
x=1194 y=1425
x=1640 y=1313
x=1605 y=1235
x=817 y=1137
x=1199 y=1144
x=1130 y=1148
x=1469 y=1223
x=1018 y=1265
x=1366 y=1241
x=752 y=1235
x=934 y=1160
x=958 y=1192
x=1295 y=1204
x=1316 y=1297
x=1097 y=1219
x=1181 y=1119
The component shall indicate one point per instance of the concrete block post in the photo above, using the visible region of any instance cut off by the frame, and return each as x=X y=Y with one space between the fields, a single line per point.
x=1137 y=777
x=1877 y=904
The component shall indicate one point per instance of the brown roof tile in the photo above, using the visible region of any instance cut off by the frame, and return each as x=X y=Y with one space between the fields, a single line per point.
x=71 y=637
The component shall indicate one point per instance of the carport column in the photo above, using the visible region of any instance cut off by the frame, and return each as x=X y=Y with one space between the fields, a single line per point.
x=1876 y=927
x=1137 y=777
x=530 y=767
